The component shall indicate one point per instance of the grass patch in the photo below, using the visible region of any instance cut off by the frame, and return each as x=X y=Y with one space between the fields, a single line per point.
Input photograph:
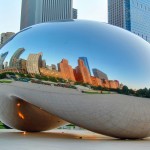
x=106 y=92
x=91 y=92
x=5 y=81
x=96 y=92
x=2 y=126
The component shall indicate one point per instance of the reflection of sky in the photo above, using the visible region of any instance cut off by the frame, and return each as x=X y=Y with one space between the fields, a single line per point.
x=120 y=54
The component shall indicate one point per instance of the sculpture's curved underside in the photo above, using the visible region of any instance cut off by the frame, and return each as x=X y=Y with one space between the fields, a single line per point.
x=33 y=107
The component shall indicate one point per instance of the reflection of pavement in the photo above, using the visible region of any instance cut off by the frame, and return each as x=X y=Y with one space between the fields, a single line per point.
x=80 y=88
x=66 y=140
x=109 y=114
x=41 y=87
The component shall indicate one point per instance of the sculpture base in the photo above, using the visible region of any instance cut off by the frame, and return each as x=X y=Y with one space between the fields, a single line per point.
x=66 y=140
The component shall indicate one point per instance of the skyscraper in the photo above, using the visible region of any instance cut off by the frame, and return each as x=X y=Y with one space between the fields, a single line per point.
x=5 y=37
x=132 y=15
x=81 y=73
x=99 y=74
x=75 y=13
x=34 y=63
x=15 y=58
x=2 y=58
x=66 y=70
x=38 y=11
x=28 y=13
x=85 y=60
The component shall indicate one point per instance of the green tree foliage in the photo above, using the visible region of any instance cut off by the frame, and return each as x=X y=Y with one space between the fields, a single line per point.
x=143 y=93
x=4 y=75
x=125 y=90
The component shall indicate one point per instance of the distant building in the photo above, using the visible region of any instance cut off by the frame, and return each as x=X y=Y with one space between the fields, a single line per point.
x=34 y=63
x=38 y=11
x=132 y=15
x=85 y=60
x=43 y=63
x=50 y=73
x=66 y=70
x=5 y=65
x=2 y=58
x=81 y=73
x=99 y=74
x=52 y=67
x=105 y=83
x=114 y=84
x=48 y=67
x=5 y=37
x=75 y=13
x=110 y=84
x=22 y=64
x=14 y=70
x=96 y=81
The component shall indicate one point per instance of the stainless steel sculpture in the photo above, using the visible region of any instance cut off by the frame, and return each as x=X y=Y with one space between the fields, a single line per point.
x=122 y=55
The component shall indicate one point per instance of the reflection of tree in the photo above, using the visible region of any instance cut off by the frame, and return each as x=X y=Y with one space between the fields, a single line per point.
x=126 y=91
x=139 y=93
x=4 y=75
x=50 y=78
x=143 y=93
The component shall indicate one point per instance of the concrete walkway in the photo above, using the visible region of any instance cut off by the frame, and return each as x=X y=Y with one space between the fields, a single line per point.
x=66 y=140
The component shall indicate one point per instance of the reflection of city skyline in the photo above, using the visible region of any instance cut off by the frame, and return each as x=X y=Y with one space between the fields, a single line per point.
x=2 y=58
x=35 y=65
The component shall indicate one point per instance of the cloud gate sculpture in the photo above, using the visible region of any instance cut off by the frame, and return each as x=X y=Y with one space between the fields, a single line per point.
x=43 y=67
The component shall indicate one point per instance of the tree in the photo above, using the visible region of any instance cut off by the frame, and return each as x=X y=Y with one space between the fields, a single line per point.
x=125 y=90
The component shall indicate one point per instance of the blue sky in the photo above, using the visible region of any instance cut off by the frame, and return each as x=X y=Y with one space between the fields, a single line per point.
x=87 y=9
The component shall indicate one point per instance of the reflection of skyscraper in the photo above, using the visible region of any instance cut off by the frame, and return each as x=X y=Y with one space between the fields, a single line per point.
x=15 y=58
x=114 y=84
x=99 y=74
x=53 y=67
x=34 y=63
x=43 y=63
x=6 y=36
x=85 y=60
x=2 y=58
x=132 y=15
x=75 y=13
x=66 y=70
x=21 y=64
x=81 y=73
x=5 y=64
x=37 y=11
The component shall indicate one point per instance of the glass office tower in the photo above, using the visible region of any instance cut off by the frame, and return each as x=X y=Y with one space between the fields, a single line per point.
x=133 y=15
x=38 y=11
x=85 y=60
x=99 y=74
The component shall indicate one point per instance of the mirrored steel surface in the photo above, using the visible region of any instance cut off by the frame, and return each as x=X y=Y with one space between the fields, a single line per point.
x=19 y=114
x=122 y=58
x=120 y=54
